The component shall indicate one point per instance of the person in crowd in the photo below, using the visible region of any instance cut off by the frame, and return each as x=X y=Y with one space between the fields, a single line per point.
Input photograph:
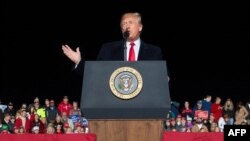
x=178 y=123
x=36 y=100
x=40 y=110
x=75 y=113
x=23 y=121
x=13 y=120
x=183 y=125
x=35 y=130
x=173 y=123
x=64 y=106
x=197 y=108
x=58 y=121
x=199 y=125
x=15 y=130
x=174 y=109
x=248 y=109
x=31 y=112
x=36 y=106
x=228 y=109
x=212 y=127
x=210 y=121
x=46 y=103
x=167 y=125
x=4 y=129
x=217 y=129
x=22 y=130
x=24 y=106
x=241 y=114
x=75 y=110
x=50 y=130
x=222 y=122
x=10 y=109
x=186 y=110
x=206 y=104
x=217 y=109
x=59 y=129
x=38 y=122
x=1 y=114
x=7 y=122
x=51 y=112
x=189 y=122
x=66 y=119
x=67 y=129
x=78 y=128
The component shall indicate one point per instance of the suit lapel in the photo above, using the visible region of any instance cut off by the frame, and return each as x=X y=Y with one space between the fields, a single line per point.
x=142 y=52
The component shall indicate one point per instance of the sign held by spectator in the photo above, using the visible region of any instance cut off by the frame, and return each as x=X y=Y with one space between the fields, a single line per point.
x=201 y=114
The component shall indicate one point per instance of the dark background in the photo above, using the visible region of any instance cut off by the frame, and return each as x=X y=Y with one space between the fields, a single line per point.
x=205 y=45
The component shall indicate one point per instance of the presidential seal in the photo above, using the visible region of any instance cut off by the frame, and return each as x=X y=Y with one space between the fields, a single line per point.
x=125 y=82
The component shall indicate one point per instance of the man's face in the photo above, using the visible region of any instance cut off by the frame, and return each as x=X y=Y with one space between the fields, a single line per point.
x=51 y=104
x=8 y=117
x=65 y=100
x=64 y=116
x=218 y=100
x=131 y=24
x=186 y=104
x=209 y=99
x=199 y=120
x=24 y=114
x=36 y=105
x=47 y=102
x=10 y=106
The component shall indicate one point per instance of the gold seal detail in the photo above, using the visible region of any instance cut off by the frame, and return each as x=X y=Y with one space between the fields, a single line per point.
x=125 y=82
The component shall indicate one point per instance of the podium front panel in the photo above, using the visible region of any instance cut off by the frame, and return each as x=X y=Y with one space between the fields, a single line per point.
x=99 y=102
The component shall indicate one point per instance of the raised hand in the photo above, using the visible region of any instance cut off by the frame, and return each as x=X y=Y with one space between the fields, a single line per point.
x=74 y=56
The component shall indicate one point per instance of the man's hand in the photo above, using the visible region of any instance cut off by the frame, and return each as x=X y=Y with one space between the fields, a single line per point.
x=74 y=56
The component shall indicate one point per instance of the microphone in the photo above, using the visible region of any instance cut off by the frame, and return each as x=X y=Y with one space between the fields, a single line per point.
x=125 y=34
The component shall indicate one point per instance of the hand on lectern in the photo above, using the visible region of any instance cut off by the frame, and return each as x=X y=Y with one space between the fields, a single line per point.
x=74 y=56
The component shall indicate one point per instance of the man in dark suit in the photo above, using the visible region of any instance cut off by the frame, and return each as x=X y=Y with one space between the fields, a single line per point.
x=130 y=49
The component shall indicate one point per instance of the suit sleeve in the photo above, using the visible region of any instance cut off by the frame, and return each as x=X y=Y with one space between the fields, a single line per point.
x=79 y=68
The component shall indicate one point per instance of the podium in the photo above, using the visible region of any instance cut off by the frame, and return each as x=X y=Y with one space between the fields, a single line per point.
x=125 y=101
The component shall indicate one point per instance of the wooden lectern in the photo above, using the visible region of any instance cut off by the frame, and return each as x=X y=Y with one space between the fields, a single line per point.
x=125 y=101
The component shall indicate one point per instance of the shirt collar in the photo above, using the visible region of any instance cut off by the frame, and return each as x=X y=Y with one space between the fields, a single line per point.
x=137 y=43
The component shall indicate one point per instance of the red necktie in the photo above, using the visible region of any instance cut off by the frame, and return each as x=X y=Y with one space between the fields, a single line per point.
x=131 y=52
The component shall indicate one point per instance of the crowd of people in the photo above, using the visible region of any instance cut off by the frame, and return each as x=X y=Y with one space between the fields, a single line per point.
x=67 y=118
x=43 y=118
x=206 y=116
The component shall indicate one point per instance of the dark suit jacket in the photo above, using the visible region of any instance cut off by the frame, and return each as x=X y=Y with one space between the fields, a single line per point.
x=114 y=51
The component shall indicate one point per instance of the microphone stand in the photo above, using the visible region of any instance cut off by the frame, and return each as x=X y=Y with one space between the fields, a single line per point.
x=125 y=49
x=125 y=37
